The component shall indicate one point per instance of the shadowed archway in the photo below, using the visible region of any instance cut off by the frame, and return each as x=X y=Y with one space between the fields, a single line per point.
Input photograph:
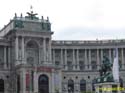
x=70 y=86
x=43 y=83
x=1 y=86
x=83 y=85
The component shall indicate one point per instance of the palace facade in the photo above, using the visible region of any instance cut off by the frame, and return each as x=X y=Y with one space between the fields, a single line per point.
x=31 y=62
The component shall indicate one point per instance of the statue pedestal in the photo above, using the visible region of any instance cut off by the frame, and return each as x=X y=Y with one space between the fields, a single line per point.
x=107 y=87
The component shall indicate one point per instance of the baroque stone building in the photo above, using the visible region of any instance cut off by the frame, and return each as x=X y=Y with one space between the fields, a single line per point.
x=31 y=62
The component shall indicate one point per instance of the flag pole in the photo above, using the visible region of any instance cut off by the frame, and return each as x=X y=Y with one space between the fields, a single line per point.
x=115 y=68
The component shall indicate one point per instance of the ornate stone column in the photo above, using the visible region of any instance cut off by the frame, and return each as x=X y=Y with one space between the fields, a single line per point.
x=23 y=81
x=90 y=65
x=52 y=79
x=16 y=50
x=44 y=49
x=49 y=50
x=53 y=56
x=73 y=55
x=86 y=64
x=65 y=59
x=98 y=63
x=61 y=53
x=35 y=80
x=40 y=56
x=77 y=57
x=101 y=56
x=110 y=58
x=5 y=57
x=122 y=57
x=23 y=51
x=9 y=57
x=60 y=79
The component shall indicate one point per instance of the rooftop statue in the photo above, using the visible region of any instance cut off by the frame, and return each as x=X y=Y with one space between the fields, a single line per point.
x=32 y=15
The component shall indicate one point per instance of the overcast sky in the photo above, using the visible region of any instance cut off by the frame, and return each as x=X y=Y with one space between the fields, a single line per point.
x=73 y=19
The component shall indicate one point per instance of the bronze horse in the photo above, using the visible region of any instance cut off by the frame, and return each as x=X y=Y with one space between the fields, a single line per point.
x=106 y=66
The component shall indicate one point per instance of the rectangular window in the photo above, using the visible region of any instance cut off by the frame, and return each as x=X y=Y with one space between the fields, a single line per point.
x=57 y=63
x=94 y=65
x=81 y=65
x=70 y=66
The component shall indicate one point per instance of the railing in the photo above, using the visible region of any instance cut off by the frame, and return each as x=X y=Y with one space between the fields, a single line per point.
x=34 y=20
x=88 y=42
x=7 y=28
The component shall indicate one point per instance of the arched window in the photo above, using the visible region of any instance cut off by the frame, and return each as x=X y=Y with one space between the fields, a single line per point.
x=18 y=83
x=43 y=84
x=30 y=60
x=70 y=86
x=93 y=83
x=1 y=85
x=82 y=85
x=32 y=52
x=32 y=44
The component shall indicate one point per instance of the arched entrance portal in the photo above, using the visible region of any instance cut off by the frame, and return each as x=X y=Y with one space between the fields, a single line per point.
x=70 y=86
x=43 y=84
x=1 y=86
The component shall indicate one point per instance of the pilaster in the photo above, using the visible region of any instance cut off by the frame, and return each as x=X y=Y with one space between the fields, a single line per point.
x=86 y=64
x=60 y=81
x=65 y=59
x=16 y=50
x=52 y=79
x=98 y=63
x=73 y=55
x=35 y=82
x=110 y=58
x=44 y=49
x=77 y=57
x=122 y=56
x=49 y=49
x=53 y=56
x=9 y=57
x=90 y=60
x=23 y=49
x=5 y=57
x=101 y=56
x=23 y=81
x=61 y=53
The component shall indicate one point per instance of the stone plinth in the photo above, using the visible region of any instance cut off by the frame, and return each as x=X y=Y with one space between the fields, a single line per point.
x=108 y=87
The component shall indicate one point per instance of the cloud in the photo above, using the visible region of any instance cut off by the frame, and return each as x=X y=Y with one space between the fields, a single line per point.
x=84 y=19
x=83 y=33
